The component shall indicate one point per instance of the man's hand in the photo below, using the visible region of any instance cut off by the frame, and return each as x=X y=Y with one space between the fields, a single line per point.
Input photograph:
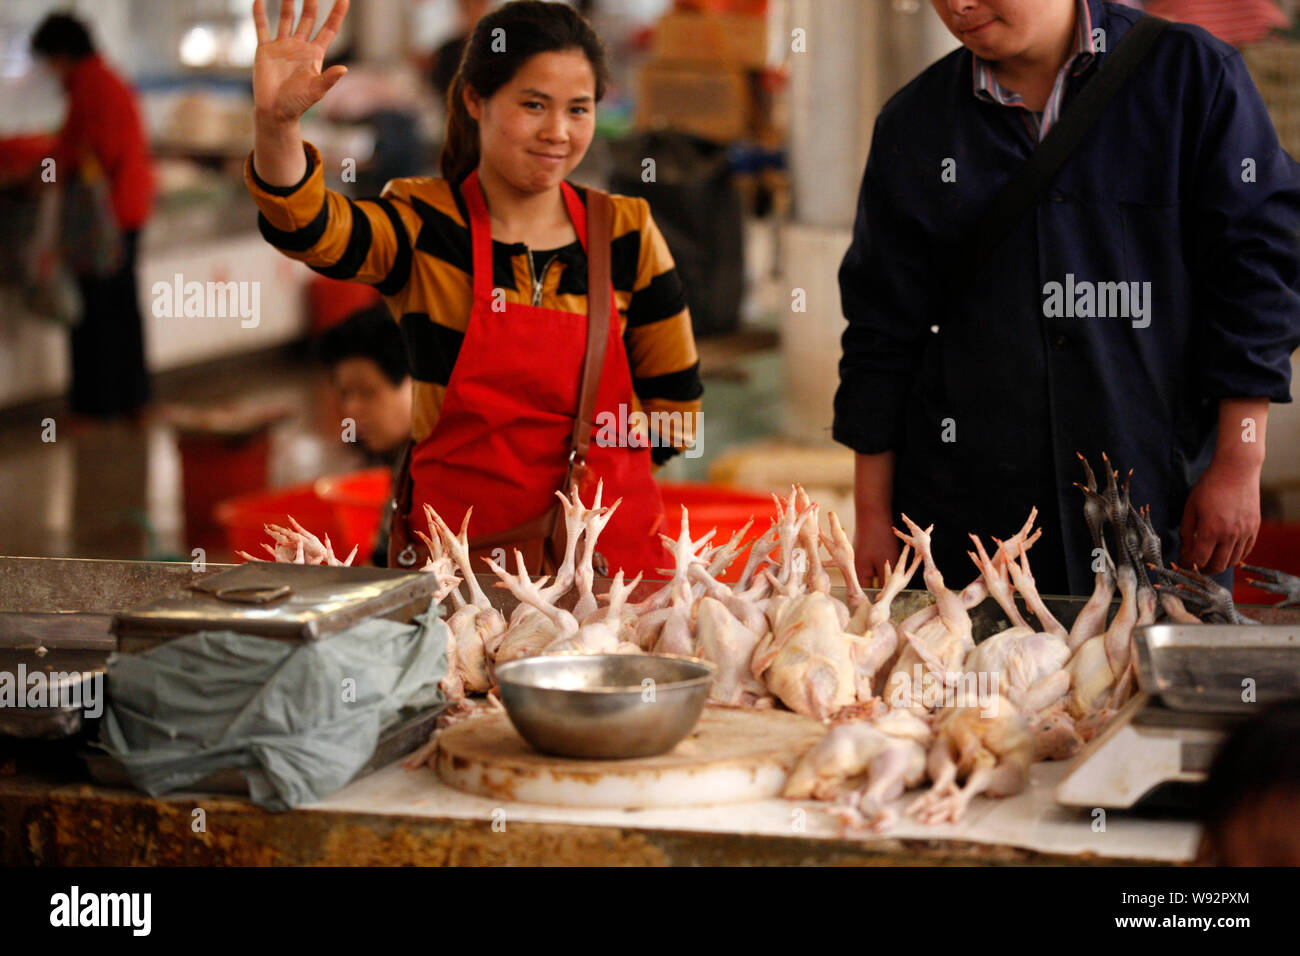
x=873 y=535
x=1221 y=518
x=874 y=543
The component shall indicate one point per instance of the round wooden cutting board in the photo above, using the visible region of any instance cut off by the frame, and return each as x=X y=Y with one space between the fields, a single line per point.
x=733 y=755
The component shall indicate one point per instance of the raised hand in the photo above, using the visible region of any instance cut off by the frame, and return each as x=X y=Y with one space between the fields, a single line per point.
x=287 y=77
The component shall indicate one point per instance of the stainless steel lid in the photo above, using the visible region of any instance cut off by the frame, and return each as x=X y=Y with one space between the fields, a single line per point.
x=295 y=602
x=1219 y=668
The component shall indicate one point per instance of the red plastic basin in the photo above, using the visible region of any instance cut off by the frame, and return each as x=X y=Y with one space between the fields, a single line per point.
x=715 y=506
x=357 y=500
x=242 y=519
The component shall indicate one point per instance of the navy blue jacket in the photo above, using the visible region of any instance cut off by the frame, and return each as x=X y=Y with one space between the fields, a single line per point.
x=985 y=399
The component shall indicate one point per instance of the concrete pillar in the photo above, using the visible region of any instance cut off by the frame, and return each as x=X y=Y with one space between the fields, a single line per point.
x=828 y=84
x=381 y=30
x=859 y=53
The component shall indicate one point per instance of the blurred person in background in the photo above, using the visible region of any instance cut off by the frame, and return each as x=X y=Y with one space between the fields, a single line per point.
x=1251 y=798
x=446 y=59
x=103 y=126
x=367 y=361
x=368 y=369
x=1239 y=22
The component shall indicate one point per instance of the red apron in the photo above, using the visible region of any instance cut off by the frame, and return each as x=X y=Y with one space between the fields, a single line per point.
x=501 y=443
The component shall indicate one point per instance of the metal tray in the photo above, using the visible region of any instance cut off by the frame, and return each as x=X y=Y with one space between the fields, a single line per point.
x=65 y=629
x=320 y=600
x=90 y=585
x=1204 y=667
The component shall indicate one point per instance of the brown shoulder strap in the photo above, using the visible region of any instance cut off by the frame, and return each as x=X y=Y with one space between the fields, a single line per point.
x=599 y=305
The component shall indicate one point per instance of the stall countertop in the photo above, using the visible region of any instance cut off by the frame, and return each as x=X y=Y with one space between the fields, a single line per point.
x=403 y=817
x=1030 y=821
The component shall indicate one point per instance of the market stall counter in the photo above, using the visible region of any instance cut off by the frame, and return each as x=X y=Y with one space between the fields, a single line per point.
x=53 y=813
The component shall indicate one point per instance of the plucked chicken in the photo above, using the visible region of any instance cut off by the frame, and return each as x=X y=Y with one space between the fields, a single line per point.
x=780 y=634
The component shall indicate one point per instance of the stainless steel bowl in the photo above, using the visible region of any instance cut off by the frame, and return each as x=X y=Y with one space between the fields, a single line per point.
x=604 y=706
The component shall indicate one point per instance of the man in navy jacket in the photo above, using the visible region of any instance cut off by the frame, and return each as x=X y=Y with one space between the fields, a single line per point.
x=1146 y=305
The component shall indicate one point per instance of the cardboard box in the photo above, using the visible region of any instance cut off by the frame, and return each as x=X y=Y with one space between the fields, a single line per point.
x=713 y=102
x=719 y=38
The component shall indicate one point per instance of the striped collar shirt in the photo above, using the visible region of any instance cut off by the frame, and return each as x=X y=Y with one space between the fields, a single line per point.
x=1085 y=52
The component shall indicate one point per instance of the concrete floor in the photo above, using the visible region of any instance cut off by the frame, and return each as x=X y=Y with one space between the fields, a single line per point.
x=113 y=489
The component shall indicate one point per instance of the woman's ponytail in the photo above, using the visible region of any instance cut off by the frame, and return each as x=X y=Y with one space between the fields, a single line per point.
x=460 y=148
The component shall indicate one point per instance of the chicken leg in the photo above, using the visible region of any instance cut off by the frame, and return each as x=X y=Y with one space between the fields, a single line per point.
x=1024 y=582
x=1275 y=582
x=997 y=579
x=1092 y=616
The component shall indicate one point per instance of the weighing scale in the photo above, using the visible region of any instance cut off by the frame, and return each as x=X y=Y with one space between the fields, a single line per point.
x=1198 y=683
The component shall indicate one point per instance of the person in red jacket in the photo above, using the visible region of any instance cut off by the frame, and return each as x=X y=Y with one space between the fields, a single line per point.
x=103 y=124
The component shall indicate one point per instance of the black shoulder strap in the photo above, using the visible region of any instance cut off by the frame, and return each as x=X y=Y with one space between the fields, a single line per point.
x=1064 y=138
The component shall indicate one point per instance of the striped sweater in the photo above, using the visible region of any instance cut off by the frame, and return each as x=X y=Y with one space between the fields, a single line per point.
x=413 y=245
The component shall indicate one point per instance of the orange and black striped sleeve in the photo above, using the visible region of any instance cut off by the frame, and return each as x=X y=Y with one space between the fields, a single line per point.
x=364 y=240
x=659 y=338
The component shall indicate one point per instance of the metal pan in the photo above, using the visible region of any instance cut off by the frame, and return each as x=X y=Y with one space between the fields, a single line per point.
x=294 y=602
x=64 y=629
x=1219 y=668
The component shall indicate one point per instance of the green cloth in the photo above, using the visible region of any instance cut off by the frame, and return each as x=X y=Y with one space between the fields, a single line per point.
x=298 y=719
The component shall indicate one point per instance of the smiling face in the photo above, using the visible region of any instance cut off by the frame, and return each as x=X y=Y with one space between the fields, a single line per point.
x=535 y=130
x=1004 y=29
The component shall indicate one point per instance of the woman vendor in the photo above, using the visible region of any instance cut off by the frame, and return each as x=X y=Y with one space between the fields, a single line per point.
x=486 y=270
